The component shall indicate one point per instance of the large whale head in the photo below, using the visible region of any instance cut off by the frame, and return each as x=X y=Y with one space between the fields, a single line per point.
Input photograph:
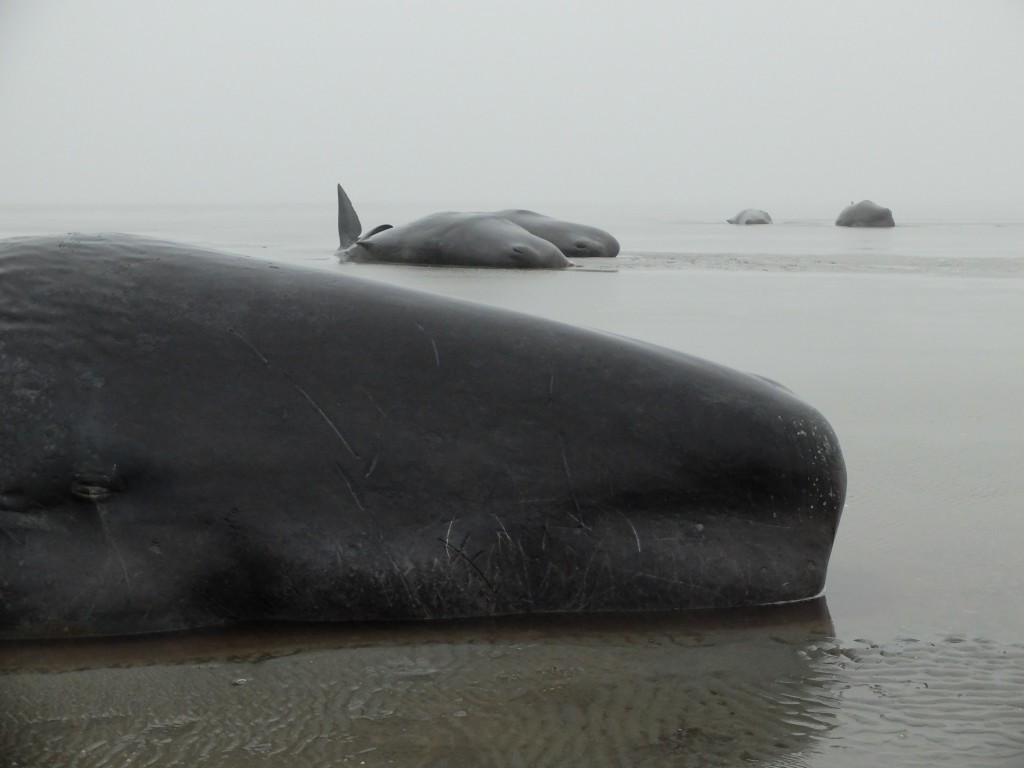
x=190 y=438
x=573 y=240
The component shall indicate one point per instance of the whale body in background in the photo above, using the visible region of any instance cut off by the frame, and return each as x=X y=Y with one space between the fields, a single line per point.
x=515 y=239
x=191 y=438
x=751 y=216
x=865 y=214
x=573 y=240
x=457 y=240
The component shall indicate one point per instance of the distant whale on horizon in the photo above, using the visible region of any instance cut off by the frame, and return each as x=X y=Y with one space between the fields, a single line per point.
x=865 y=214
x=751 y=216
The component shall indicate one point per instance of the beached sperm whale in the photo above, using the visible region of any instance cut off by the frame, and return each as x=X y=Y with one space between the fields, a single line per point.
x=751 y=216
x=573 y=240
x=445 y=239
x=189 y=438
x=512 y=239
x=865 y=214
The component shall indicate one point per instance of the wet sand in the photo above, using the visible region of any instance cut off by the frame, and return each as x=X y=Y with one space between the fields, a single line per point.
x=920 y=662
x=763 y=688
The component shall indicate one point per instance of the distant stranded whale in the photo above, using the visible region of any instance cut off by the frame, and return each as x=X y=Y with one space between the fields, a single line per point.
x=510 y=238
x=865 y=214
x=751 y=216
x=190 y=438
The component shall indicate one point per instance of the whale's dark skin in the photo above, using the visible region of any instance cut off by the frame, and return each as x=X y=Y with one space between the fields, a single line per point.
x=445 y=239
x=190 y=438
x=458 y=240
x=517 y=239
x=751 y=216
x=573 y=240
x=865 y=214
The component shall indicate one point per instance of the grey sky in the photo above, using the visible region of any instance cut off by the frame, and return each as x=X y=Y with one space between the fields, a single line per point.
x=478 y=102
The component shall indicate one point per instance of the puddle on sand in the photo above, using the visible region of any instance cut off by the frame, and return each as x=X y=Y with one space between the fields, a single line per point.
x=766 y=688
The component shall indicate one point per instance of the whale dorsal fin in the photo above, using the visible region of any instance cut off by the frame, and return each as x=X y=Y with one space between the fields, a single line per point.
x=349 y=227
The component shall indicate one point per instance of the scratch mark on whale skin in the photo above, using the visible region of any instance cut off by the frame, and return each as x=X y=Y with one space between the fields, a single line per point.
x=459 y=551
x=414 y=598
x=95 y=491
x=503 y=535
x=376 y=456
x=633 y=527
x=323 y=415
x=101 y=512
x=316 y=407
x=348 y=485
x=437 y=356
x=447 y=539
x=250 y=345
x=572 y=493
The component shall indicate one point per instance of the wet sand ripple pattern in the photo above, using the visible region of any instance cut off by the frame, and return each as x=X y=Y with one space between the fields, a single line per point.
x=639 y=700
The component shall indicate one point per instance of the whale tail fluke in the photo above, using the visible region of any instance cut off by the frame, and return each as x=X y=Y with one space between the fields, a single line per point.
x=349 y=227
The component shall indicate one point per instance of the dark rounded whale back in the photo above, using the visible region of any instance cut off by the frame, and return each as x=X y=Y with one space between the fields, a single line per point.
x=510 y=239
x=865 y=214
x=457 y=240
x=189 y=438
x=751 y=216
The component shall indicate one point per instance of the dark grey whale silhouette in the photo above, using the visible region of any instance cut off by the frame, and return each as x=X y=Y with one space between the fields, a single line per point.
x=192 y=438
x=865 y=214
x=510 y=238
x=573 y=240
x=751 y=216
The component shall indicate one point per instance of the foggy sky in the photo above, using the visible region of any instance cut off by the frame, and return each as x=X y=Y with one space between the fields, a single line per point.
x=754 y=103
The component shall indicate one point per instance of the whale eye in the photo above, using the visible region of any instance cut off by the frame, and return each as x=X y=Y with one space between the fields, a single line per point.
x=92 y=486
x=520 y=255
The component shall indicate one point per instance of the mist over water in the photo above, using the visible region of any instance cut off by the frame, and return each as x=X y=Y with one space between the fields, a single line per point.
x=788 y=106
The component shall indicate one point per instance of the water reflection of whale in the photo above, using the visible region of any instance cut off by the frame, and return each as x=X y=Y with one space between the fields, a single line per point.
x=728 y=687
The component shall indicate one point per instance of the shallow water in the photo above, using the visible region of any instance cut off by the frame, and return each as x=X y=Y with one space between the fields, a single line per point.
x=909 y=340
x=766 y=690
